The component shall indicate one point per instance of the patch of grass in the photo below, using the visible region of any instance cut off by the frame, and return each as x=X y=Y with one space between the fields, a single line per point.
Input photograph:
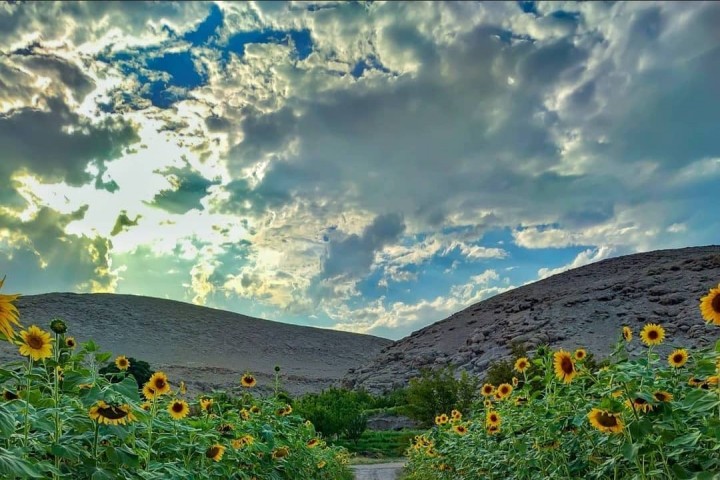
x=380 y=444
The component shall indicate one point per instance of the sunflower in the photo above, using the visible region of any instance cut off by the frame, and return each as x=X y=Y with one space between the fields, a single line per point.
x=520 y=401
x=493 y=418
x=178 y=409
x=284 y=411
x=504 y=391
x=159 y=383
x=456 y=415
x=487 y=390
x=70 y=342
x=8 y=395
x=36 y=343
x=663 y=396
x=321 y=464
x=146 y=406
x=564 y=366
x=493 y=429
x=522 y=364
x=111 y=414
x=225 y=428
x=254 y=409
x=460 y=429
x=206 y=404
x=248 y=381
x=627 y=333
x=122 y=363
x=244 y=414
x=441 y=419
x=215 y=452
x=237 y=443
x=639 y=404
x=313 y=442
x=709 y=306
x=515 y=381
x=678 y=358
x=149 y=392
x=280 y=452
x=8 y=314
x=580 y=354
x=487 y=403
x=183 y=388
x=652 y=334
x=605 y=421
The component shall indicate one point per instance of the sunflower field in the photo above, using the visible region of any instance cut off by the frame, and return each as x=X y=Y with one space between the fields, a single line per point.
x=61 y=418
x=651 y=417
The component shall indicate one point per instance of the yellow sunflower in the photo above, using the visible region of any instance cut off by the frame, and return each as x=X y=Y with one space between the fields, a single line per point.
x=605 y=421
x=487 y=390
x=441 y=419
x=254 y=409
x=8 y=395
x=456 y=415
x=9 y=314
x=280 y=452
x=627 y=333
x=522 y=364
x=146 y=406
x=206 y=404
x=678 y=358
x=640 y=405
x=564 y=366
x=36 y=343
x=460 y=429
x=520 y=401
x=111 y=414
x=580 y=354
x=663 y=396
x=321 y=464
x=709 y=306
x=215 y=452
x=492 y=418
x=122 y=363
x=313 y=442
x=515 y=381
x=183 y=388
x=493 y=429
x=504 y=390
x=178 y=409
x=248 y=381
x=159 y=383
x=487 y=403
x=652 y=334
x=149 y=392
x=70 y=342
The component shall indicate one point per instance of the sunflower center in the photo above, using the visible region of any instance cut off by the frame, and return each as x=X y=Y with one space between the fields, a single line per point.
x=653 y=334
x=212 y=452
x=640 y=401
x=678 y=357
x=177 y=407
x=112 y=413
x=715 y=304
x=567 y=366
x=35 y=342
x=607 y=420
x=159 y=384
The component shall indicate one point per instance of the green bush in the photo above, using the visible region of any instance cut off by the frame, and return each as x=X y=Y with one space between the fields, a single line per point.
x=336 y=412
x=438 y=391
x=139 y=369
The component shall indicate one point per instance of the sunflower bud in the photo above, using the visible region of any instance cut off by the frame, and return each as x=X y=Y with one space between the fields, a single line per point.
x=277 y=368
x=58 y=326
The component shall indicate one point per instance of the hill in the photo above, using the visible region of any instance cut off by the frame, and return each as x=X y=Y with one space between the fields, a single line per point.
x=205 y=347
x=585 y=307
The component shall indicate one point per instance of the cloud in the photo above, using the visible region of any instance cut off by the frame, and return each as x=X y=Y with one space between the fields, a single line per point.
x=189 y=188
x=353 y=255
x=585 y=257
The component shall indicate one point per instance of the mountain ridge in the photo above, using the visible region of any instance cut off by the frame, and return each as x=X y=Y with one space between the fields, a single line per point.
x=582 y=307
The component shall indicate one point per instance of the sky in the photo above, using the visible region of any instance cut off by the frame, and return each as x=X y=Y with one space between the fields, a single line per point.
x=365 y=166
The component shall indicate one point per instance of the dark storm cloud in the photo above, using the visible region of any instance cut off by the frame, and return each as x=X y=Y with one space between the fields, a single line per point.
x=189 y=188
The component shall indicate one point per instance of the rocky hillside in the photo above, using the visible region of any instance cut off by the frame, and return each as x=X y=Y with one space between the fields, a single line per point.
x=585 y=307
x=206 y=348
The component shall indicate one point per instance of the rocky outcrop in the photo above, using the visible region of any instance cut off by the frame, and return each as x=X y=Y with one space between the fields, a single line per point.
x=585 y=307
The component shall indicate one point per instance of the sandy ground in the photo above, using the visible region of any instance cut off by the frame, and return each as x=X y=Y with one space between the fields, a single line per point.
x=379 y=471
x=204 y=347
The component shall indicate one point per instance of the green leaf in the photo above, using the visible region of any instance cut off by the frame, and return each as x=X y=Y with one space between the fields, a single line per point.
x=12 y=465
x=630 y=450
x=687 y=440
x=681 y=473
x=7 y=423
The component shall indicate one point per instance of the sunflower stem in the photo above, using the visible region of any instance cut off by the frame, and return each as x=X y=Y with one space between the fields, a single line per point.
x=95 y=441
x=150 y=431
x=27 y=403
x=56 y=398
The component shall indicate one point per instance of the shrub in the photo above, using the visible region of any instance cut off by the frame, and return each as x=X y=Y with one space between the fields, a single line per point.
x=336 y=412
x=438 y=391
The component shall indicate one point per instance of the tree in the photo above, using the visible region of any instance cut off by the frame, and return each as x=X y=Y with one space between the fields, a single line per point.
x=438 y=391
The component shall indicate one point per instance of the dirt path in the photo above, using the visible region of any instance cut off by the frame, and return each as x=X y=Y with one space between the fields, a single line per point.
x=379 y=471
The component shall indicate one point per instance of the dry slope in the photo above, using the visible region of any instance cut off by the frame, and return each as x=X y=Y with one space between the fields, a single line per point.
x=204 y=347
x=582 y=307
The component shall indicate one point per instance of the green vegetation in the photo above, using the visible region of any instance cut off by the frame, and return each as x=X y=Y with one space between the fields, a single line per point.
x=438 y=391
x=377 y=444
